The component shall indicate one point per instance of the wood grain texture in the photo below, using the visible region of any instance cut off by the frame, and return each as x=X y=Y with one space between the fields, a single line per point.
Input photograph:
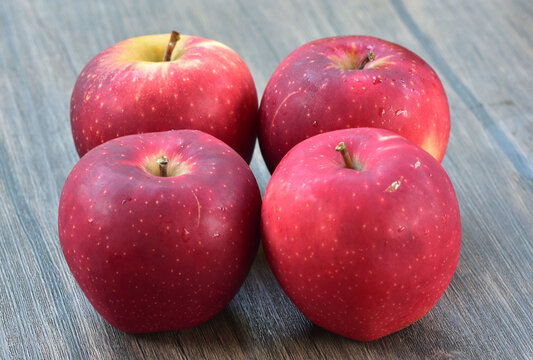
x=482 y=50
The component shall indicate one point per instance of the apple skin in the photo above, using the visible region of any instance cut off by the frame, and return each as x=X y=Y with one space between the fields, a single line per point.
x=128 y=89
x=317 y=89
x=359 y=254
x=158 y=253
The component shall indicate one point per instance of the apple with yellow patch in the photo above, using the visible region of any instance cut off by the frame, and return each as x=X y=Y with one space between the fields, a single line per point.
x=151 y=83
x=348 y=82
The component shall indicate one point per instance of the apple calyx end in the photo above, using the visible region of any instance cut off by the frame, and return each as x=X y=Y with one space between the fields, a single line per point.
x=162 y=161
x=174 y=38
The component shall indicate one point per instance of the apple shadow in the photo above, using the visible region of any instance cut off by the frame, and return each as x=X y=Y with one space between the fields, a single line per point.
x=261 y=322
x=228 y=332
x=217 y=335
x=421 y=340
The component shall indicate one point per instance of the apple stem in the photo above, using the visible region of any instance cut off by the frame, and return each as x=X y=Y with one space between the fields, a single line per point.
x=347 y=159
x=174 y=38
x=369 y=57
x=163 y=166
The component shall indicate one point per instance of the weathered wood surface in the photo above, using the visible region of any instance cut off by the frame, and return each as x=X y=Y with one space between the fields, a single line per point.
x=483 y=51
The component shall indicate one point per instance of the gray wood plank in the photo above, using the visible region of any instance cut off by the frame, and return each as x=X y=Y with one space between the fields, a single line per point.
x=481 y=49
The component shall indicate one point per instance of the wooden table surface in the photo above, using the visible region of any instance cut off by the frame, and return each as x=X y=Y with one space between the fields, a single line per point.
x=483 y=52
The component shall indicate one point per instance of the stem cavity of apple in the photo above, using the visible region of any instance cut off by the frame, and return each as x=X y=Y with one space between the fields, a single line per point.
x=163 y=166
x=174 y=38
x=348 y=161
x=369 y=57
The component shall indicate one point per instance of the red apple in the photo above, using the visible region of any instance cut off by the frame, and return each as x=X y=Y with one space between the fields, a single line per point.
x=347 y=82
x=129 y=89
x=365 y=250
x=160 y=229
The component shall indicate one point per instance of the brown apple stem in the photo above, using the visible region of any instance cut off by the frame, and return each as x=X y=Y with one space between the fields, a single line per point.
x=174 y=38
x=163 y=166
x=369 y=57
x=347 y=159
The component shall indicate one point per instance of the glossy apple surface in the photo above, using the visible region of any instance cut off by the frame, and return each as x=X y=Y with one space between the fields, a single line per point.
x=128 y=89
x=155 y=253
x=361 y=252
x=328 y=84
